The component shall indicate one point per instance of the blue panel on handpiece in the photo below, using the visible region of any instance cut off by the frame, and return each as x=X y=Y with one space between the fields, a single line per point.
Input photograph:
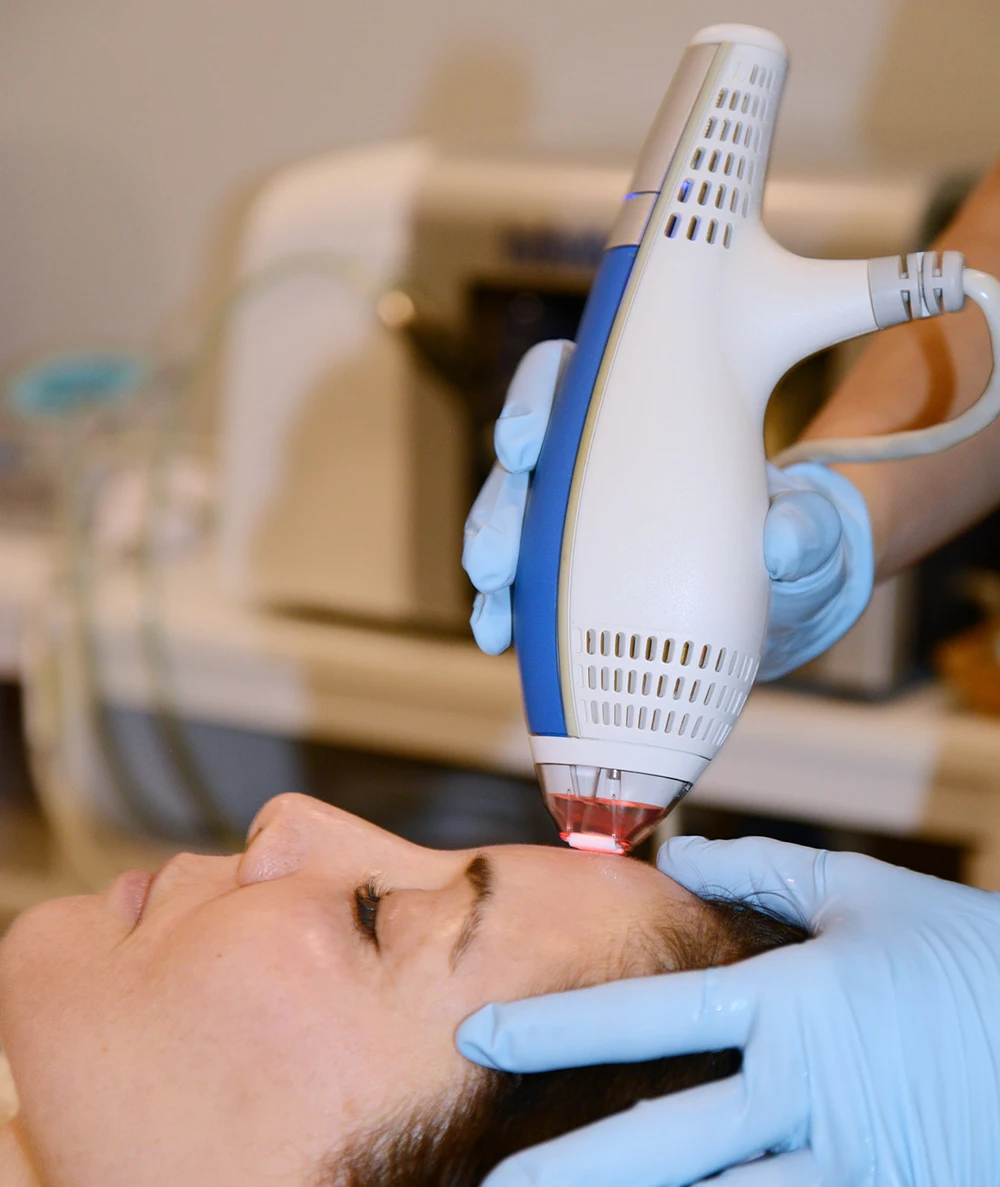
x=536 y=589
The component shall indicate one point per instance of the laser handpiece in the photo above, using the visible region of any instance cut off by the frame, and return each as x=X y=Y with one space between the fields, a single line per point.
x=641 y=595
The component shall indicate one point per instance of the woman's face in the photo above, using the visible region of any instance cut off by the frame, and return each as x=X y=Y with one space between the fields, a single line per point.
x=235 y=1019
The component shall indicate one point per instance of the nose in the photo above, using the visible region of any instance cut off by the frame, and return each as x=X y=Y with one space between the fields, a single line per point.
x=295 y=832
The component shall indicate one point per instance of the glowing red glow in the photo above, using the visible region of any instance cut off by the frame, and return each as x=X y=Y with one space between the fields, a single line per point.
x=607 y=826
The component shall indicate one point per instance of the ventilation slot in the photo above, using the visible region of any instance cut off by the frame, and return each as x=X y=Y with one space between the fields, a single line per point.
x=672 y=224
x=648 y=672
x=703 y=193
x=685 y=191
x=692 y=231
x=727 y=238
x=713 y=227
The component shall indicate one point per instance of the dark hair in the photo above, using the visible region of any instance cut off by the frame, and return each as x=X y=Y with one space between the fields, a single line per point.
x=501 y=1113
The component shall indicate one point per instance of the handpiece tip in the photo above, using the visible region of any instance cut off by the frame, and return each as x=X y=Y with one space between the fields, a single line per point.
x=595 y=843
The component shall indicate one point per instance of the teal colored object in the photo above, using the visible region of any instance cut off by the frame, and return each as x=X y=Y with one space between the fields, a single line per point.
x=63 y=385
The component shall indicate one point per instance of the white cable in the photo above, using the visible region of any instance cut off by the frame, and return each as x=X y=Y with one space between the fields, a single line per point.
x=985 y=291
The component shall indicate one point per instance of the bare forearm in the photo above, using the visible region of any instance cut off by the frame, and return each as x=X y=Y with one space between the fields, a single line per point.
x=916 y=375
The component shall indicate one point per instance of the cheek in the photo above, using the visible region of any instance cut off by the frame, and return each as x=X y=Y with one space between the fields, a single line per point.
x=52 y=965
x=60 y=1012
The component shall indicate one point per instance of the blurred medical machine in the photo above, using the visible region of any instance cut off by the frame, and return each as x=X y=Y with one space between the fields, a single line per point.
x=351 y=452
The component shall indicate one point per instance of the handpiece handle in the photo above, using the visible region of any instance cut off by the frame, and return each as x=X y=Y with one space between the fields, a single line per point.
x=923 y=301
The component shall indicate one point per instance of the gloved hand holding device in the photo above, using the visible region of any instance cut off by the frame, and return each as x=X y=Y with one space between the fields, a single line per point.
x=870 y=1053
x=817 y=537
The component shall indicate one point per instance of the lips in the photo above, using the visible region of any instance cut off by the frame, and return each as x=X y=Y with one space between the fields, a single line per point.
x=129 y=891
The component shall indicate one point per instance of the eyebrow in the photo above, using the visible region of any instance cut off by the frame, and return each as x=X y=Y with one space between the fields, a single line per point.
x=479 y=875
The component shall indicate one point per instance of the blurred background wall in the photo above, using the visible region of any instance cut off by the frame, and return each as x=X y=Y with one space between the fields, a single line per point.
x=132 y=133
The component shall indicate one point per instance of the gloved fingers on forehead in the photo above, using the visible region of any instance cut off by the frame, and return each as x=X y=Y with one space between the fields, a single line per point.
x=617 y=1022
x=669 y=1142
x=493 y=530
x=521 y=427
x=797 y=1169
x=790 y=880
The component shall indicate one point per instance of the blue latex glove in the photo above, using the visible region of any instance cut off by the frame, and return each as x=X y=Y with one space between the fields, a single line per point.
x=871 y=1054
x=817 y=538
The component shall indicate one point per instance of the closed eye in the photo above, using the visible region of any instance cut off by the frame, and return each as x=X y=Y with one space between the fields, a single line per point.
x=366 y=900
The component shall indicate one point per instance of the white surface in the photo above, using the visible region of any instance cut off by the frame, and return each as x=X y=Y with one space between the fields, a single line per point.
x=326 y=437
x=802 y=756
x=742 y=35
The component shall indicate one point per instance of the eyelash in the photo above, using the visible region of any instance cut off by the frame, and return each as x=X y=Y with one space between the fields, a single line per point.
x=366 y=900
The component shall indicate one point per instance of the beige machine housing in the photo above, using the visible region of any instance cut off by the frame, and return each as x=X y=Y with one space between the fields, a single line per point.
x=346 y=458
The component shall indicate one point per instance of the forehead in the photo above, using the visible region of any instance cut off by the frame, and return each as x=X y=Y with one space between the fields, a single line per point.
x=566 y=883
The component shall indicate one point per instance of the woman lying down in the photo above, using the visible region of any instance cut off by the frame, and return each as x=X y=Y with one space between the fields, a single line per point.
x=287 y=1015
